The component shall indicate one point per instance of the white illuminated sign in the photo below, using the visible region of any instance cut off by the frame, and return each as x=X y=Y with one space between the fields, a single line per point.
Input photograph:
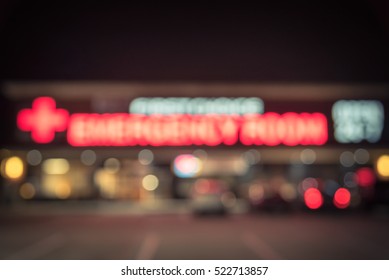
x=196 y=106
x=358 y=120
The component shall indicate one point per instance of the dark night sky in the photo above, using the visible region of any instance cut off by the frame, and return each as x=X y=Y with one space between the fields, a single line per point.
x=276 y=41
x=292 y=41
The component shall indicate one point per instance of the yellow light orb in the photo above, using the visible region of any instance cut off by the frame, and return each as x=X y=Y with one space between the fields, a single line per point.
x=383 y=166
x=150 y=182
x=13 y=168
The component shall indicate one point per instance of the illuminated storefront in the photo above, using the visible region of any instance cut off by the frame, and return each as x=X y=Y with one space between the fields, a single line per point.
x=137 y=146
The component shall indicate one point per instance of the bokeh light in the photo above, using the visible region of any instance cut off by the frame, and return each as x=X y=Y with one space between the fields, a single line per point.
x=342 y=198
x=12 y=168
x=56 y=166
x=145 y=157
x=365 y=177
x=34 y=157
x=186 y=166
x=346 y=159
x=309 y=183
x=308 y=156
x=27 y=191
x=88 y=157
x=313 y=198
x=361 y=156
x=383 y=165
x=112 y=165
x=150 y=182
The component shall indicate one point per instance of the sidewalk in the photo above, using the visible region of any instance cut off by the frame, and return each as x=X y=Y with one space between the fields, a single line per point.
x=100 y=207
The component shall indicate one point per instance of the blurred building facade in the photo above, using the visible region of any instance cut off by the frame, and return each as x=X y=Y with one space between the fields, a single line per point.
x=317 y=145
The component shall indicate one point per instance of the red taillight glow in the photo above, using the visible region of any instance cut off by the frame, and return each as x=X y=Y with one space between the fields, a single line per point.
x=342 y=198
x=365 y=177
x=313 y=198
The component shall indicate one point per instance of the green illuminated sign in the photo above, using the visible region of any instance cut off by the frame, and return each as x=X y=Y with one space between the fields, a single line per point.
x=358 y=120
x=196 y=106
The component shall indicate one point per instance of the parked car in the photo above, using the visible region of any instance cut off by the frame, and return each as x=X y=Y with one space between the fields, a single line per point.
x=210 y=196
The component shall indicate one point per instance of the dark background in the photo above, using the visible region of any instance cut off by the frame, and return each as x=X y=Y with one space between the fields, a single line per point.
x=292 y=41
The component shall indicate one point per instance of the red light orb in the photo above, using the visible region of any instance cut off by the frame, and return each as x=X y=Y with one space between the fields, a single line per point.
x=313 y=198
x=365 y=177
x=342 y=198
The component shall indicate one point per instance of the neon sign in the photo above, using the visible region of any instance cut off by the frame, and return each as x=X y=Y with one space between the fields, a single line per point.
x=196 y=106
x=290 y=129
x=43 y=120
x=358 y=120
x=184 y=130
x=122 y=129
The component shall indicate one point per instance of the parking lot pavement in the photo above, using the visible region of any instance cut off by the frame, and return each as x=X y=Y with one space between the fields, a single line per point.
x=184 y=236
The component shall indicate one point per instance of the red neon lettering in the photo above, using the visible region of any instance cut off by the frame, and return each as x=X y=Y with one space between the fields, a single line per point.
x=43 y=120
x=250 y=127
x=177 y=130
x=316 y=129
x=293 y=129
x=115 y=128
x=151 y=131
x=271 y=138
x=204 y=131
x=155 y=130
x=290 y=129
x=136 y=134
x=76 y=132
x=228 y=128
x=180 y=130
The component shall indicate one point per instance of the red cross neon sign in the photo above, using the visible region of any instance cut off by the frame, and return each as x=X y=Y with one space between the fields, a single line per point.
x=43 y=120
